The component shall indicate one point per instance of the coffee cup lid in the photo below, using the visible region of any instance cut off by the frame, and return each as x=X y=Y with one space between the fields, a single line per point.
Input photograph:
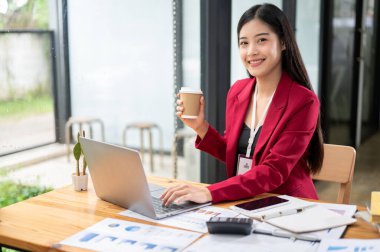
x=189 y=90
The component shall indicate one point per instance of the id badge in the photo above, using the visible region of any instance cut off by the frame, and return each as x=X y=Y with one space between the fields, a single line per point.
x=244 y=164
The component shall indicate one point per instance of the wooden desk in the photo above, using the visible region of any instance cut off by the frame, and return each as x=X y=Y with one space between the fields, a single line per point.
x=40 y=223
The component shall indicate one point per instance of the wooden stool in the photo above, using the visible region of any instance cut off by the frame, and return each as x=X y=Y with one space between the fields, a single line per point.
x=81 y=121
x=145 y=126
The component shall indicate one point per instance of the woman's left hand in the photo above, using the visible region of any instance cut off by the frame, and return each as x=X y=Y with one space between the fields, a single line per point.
x=183 y=192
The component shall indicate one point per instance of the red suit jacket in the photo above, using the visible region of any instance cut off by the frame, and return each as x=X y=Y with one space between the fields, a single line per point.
x=279 y=158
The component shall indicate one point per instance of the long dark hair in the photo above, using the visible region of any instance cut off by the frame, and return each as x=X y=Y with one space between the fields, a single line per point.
x=292 y=63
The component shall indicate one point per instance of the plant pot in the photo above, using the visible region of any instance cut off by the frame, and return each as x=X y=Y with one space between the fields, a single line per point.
x=80 y=182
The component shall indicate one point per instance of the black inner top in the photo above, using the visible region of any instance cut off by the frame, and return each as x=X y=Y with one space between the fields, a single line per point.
x=243 y=142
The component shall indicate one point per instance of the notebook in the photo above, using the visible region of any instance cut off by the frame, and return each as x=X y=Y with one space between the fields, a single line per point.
x=313 y=217
x=118 y=177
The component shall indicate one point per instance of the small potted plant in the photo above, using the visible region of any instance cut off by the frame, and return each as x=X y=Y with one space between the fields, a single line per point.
x=80 y=179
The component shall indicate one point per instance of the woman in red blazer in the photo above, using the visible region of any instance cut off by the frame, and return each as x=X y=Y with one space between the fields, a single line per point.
x=273 y=140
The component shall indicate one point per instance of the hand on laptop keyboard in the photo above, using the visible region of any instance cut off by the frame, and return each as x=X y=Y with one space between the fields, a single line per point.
x=185 y=192
x=160 y=208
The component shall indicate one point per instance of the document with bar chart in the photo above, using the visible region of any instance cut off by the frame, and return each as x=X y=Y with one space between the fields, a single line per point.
x=118 y=235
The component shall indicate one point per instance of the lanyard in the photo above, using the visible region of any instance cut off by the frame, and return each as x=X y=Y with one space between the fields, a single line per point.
x=254 y=130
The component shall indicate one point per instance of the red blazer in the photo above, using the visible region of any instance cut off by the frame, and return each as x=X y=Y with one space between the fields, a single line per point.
x=279 y=158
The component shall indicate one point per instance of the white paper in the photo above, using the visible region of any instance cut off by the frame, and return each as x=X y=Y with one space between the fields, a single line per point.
x=118 y=235
x=334 y=233
x=341 y=209
x=253 y=242
x=319 y=235
x=350 y=245
x=193 y=220
x=312 y=219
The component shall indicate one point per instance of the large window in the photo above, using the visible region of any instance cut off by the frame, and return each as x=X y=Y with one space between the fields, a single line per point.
x=307 y=34
x=26 y=76
x=121 y=65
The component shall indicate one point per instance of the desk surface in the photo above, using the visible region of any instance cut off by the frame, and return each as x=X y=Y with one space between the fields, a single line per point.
x=40 y=223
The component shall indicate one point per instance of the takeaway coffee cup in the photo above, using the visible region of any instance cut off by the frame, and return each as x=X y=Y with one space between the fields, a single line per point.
x=191 y=102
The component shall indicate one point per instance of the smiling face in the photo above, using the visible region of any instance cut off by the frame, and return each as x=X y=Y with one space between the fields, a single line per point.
x=260 y=49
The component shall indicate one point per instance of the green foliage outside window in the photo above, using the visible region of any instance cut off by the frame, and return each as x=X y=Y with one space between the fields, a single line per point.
x=29 y=105
x=11 y=192
x=27 y=14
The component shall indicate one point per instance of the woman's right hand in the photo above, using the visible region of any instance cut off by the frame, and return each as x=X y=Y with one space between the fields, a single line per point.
x=199 y=125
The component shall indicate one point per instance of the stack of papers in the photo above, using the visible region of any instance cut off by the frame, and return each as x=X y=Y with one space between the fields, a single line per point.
x=254 y=242
x=119 y=235
x=334 y=233
x=314 y=217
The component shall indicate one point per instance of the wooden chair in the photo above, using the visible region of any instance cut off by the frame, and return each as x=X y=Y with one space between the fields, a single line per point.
x=338 y=166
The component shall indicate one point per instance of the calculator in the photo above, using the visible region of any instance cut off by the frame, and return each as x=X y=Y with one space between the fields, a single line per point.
x=224 y=225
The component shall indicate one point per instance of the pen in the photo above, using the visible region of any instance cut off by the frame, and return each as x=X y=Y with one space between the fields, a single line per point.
x=282 y=213
x=285 y=234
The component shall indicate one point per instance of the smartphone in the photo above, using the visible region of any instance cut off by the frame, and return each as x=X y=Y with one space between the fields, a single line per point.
x=261 y=204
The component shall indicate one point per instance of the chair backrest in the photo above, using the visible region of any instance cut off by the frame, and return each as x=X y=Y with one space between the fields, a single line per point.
x=338 y=166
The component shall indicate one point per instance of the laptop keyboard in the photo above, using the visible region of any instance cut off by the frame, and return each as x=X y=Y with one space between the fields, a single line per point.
x=160 y=209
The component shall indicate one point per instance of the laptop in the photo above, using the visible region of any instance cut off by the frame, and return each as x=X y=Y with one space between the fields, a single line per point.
x=119 y=178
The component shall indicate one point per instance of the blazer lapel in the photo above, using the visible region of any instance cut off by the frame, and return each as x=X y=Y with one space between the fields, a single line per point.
x=275 y=112
x=240 y=107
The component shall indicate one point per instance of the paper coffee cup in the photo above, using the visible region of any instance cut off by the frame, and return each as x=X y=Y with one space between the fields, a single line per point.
x=191 y=102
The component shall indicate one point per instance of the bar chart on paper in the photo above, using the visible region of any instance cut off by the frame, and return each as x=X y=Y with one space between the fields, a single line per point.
x=118 y=235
